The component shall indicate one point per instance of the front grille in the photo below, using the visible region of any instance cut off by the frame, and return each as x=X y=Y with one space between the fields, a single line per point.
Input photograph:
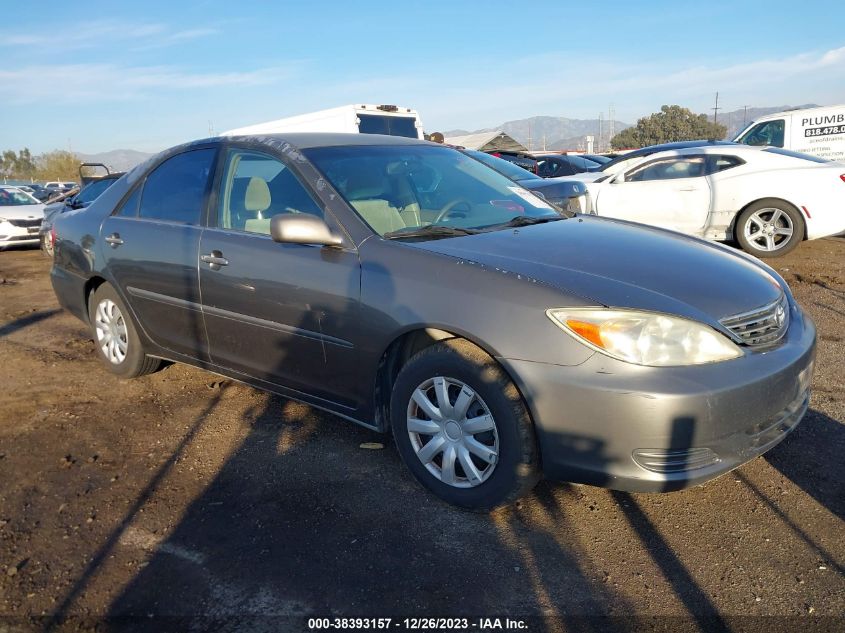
x=25 y=223
x=762 y=326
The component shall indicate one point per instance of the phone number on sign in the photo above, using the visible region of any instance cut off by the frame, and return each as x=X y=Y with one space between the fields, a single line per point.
x=824 y=131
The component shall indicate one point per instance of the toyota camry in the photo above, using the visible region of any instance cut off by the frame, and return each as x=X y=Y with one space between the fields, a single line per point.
x=411 y=289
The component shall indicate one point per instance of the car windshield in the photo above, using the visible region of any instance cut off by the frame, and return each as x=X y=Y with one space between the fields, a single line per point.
x=621 y=162
x=504 y=167
x=425 y=190
x=15 y=198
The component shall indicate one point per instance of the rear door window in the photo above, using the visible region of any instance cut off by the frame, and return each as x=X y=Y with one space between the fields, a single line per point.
x=176 y=190
x=721 y=163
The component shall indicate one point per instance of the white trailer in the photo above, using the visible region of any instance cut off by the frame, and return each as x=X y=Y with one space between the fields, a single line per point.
x=356 y=119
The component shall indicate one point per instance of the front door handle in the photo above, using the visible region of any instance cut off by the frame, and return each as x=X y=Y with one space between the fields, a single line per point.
x=114 y=240
x=215 y=260
x=688 y=189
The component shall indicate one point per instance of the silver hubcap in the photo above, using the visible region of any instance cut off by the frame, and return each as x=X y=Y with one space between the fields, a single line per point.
x=111 y=331
x=768 y=229
x=453 y=432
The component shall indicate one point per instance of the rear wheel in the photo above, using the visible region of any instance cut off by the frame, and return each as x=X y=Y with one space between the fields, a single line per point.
x=47 y=245
x=116 y=337
x=462 y=427
x=769 y=228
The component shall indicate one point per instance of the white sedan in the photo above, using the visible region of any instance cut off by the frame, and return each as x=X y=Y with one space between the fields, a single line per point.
x=768 y=199
x=20 y=217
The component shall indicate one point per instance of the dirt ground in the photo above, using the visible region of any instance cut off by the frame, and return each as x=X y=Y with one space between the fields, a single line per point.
x=182 y=494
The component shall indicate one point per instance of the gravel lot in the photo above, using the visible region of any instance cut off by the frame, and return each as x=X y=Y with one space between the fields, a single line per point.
x=181 y=493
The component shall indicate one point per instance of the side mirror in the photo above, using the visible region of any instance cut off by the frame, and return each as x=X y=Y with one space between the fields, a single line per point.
x=302 y=228
x=620 y=177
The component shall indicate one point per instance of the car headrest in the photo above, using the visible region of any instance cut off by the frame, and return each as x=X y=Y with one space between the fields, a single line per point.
x=257 y=196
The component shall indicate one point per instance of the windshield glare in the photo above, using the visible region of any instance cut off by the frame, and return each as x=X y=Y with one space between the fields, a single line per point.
x=402 y=188
x=9 y=198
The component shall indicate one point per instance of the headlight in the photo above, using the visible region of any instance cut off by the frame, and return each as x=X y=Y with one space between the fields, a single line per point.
x=645 y=338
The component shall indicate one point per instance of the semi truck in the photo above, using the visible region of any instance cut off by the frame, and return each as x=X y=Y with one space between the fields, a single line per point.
x=361 y=119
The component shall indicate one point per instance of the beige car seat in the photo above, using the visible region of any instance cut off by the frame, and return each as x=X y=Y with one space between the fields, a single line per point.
x=366 y=192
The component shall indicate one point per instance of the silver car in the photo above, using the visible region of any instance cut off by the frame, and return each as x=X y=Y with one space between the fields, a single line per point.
x=411 y=289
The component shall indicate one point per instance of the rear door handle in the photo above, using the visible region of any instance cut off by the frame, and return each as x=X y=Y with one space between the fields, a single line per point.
x=114 y=240
x=688 y=189
x=215 y=260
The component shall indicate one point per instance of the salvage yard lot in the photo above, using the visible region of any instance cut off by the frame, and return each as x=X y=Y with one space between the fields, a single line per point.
x=182 y=493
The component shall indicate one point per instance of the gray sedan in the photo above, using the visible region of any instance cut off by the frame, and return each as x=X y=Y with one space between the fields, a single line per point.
x=411 y=289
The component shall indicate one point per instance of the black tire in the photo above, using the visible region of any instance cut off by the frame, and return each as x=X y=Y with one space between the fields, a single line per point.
x=133 y=362
x=516 y=467
x=748 y=225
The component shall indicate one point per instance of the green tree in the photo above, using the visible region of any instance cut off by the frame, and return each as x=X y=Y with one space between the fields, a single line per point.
x=58 y=165
x=20 y=165
x=672 y=123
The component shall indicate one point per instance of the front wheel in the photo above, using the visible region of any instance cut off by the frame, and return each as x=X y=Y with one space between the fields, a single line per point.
x=462 y=427
x=769 y=228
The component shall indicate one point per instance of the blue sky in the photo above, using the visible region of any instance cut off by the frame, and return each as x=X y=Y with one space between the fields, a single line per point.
x=147 y=75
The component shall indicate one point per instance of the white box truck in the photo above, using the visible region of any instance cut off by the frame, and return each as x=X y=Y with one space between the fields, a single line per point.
x=363 y=119
x=815 y=131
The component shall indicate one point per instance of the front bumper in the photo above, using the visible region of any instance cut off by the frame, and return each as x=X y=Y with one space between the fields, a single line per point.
x=651 y=429
x=18 y=235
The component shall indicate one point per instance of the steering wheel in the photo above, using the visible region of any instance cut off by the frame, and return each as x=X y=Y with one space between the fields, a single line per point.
x=447 y=208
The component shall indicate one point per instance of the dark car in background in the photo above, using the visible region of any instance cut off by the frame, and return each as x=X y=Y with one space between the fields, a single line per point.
x=556 y=165
x=74 y=199
x=597 y=158
x=408 y=287
x=526 y=161
x=565 y=194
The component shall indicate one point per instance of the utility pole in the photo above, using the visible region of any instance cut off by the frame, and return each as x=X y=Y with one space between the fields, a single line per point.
x=210 y=128
x=601 y=121
x=611 y=132
x=529 y=137
x=744 y=115
x=716 y=108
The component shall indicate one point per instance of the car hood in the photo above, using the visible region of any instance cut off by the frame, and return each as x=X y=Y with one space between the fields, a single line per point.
x=22 y=212
x=619 y=264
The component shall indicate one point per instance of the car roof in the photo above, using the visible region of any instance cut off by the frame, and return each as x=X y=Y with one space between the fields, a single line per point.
x=308 y=140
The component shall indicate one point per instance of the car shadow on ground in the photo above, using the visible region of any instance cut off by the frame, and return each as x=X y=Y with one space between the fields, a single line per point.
x=290 y=528
x=25 y=321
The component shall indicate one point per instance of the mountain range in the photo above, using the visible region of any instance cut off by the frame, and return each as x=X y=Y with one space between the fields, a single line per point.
x=556 y=133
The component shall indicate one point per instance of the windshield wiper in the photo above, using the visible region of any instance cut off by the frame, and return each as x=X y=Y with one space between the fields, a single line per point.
x=524 y=220
x=432 y=230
